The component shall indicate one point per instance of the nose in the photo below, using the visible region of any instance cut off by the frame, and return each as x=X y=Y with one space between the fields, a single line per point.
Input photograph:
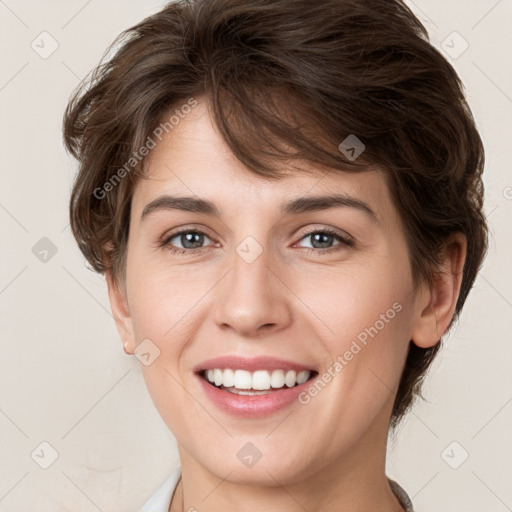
x=253 y=298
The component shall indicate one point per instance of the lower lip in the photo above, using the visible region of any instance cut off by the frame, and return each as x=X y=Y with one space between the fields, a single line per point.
x=251 y=406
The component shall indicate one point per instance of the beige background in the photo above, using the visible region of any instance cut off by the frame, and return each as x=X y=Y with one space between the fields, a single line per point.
x=64 y=378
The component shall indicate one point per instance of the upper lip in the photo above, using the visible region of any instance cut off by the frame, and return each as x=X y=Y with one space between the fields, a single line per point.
x=250 y=364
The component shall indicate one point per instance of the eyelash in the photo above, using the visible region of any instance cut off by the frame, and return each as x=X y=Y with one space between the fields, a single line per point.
x=344 y=241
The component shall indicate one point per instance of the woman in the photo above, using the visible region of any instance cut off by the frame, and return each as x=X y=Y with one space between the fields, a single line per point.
x=286 y=201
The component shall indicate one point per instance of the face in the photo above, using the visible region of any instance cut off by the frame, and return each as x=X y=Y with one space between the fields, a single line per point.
x=265 y=298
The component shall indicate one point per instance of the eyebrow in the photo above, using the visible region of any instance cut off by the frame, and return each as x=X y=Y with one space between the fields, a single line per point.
x=294 y=206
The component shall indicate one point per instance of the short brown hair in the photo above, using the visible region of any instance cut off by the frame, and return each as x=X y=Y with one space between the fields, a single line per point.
x=289 y=79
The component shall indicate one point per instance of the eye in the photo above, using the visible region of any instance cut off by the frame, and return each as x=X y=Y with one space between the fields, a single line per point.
x=191 y=240
x=321 y=240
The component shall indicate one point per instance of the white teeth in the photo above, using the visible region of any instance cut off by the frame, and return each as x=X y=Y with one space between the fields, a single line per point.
x=228 y=378
x=217 y=376
x=243 y=380
x=259 y=380
x=303 y=377
x=290 y=378
x=277 y=379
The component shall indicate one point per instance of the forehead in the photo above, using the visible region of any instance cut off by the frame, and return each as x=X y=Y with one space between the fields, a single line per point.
x=194 y=160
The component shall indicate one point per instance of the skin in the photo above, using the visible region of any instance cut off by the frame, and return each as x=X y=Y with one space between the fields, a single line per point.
x=290 y=303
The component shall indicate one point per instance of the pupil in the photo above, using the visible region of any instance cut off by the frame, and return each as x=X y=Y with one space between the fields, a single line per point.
x=189 y=238
x=321 y=236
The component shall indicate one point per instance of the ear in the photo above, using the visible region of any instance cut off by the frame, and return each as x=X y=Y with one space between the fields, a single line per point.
x=121 y=311
x=436 y=305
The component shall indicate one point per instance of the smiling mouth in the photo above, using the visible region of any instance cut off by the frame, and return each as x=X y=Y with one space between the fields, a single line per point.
x=259 y=382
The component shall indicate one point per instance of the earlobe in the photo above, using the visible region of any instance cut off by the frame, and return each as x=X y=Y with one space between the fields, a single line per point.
x=127 y=349
x=121 y=313
x=436 y=305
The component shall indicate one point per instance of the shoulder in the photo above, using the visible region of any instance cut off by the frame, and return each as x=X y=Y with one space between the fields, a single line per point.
x=161 y=499
x=402 y=496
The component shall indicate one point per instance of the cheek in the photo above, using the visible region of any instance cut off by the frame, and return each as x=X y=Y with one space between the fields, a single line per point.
x=348 y=302
x=364 y=326
x=163 y=301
